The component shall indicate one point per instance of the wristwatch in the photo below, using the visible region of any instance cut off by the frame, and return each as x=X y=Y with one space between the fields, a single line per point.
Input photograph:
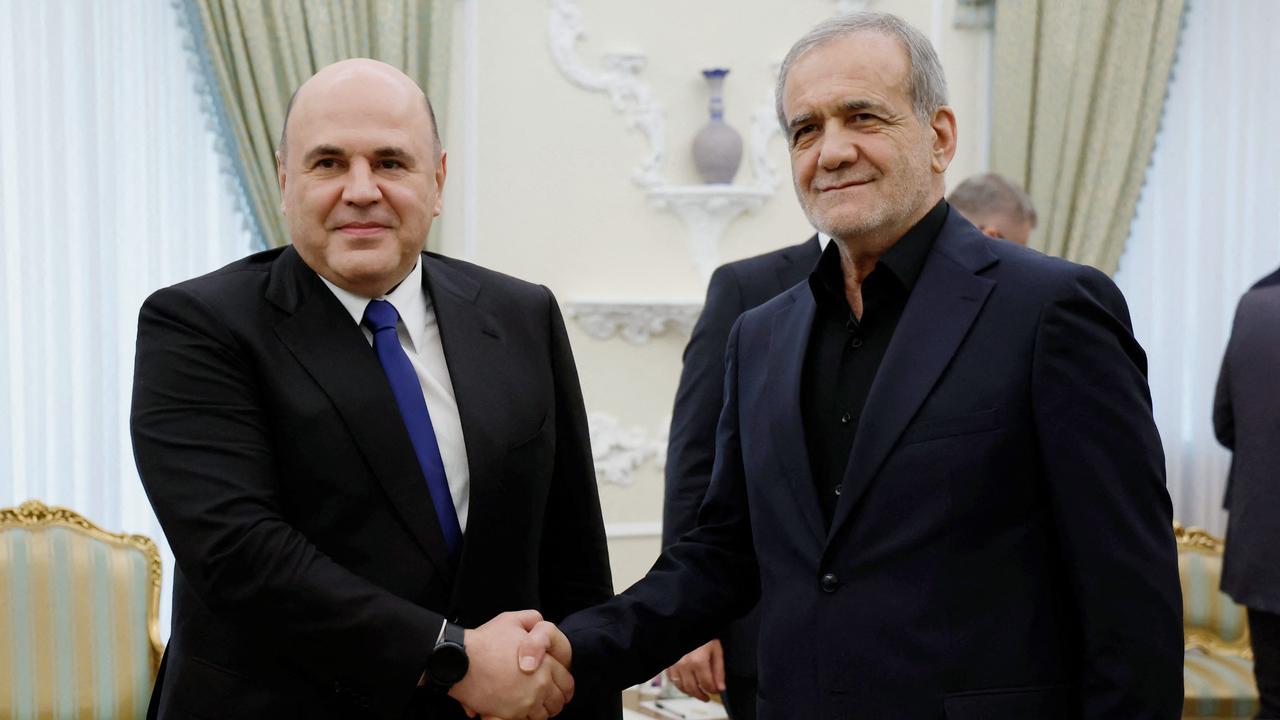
x=447 y=663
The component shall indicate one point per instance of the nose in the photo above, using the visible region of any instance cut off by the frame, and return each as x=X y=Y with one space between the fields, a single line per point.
x=361 y=189
x=838 y=148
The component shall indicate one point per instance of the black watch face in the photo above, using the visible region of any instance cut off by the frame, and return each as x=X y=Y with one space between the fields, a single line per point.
x=447 y=664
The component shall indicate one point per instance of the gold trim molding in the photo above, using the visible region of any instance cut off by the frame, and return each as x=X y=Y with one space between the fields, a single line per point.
x=34 y=514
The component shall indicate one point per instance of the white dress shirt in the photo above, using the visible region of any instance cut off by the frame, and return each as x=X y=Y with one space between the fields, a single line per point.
x=419 y=335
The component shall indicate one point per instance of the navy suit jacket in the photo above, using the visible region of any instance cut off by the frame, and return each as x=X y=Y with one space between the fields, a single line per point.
x=1003 y=546
x=734 y=288
x=1246 y=420
x=312 y=577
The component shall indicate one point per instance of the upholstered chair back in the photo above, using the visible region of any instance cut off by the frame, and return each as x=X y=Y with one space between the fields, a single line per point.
x=1218 y=663
x=79 y=617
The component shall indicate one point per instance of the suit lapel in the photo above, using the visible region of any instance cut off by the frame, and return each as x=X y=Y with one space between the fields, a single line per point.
x=471 y=349
x=796 y=263
x=938 y=315
x=320 y=334
x=788 y=342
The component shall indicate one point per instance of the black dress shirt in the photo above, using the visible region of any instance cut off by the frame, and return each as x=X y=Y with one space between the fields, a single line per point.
x=845 y=351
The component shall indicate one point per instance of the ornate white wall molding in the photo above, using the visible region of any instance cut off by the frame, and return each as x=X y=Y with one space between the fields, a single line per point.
x=764 y=127
x=620 y=80
x=707 y=211
x=636 y=322
x=618 y=451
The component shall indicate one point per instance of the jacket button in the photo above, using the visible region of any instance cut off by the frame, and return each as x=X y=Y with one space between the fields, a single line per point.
x=830 y=582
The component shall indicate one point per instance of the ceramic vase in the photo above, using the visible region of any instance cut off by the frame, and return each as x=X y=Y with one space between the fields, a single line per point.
x=717 y=148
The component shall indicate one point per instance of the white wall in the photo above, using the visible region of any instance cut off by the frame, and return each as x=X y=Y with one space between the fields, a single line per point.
x=540 y=179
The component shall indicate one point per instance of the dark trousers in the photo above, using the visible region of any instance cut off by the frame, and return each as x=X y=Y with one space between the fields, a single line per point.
x=739 y=697
x=1264 y=634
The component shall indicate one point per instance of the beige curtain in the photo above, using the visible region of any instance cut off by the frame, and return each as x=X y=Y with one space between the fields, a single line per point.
x=1079 y=91
x=257 y=52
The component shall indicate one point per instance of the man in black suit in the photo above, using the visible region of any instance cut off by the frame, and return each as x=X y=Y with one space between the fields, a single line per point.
x=1246 y=419
x=728 y=663
x=357 y=449
x=936 y=465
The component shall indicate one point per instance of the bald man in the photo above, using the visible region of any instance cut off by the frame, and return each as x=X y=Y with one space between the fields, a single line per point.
x=364 y=454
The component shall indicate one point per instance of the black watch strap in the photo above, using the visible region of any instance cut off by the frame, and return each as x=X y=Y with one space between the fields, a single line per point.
x=447 y=663
x=454 y=633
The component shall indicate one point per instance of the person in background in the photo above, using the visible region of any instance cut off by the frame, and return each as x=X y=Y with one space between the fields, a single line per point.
x=1246 y=420
x=727 y=664
x=997 y=206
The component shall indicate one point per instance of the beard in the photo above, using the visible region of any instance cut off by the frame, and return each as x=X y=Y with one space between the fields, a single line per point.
x=902 y=198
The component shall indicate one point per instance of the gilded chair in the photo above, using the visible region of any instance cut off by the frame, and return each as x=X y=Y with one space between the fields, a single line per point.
x=1217 y=662
x=79 y=617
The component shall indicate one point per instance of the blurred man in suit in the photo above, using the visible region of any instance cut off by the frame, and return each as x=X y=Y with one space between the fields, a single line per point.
x=728 y=663
x=1246 y=419
x=936 y=466
x=998 y=207
x=357 y=449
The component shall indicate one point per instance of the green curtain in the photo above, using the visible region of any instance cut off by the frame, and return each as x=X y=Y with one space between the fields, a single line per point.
x=1079 y=91
x=257 y=52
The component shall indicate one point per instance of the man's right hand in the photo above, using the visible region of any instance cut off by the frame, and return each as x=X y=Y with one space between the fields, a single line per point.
x=495 y=686
x=701 y=672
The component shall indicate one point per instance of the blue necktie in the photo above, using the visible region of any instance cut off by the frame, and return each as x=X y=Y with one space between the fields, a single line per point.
x=381 y=317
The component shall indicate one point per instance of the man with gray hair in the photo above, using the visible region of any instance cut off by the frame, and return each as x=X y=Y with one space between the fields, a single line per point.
x=998 y=207
x=936 y=464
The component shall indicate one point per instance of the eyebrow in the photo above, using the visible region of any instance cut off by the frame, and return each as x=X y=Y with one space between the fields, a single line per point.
x=846 y=107
x=393 y=152
x=321 y=151
x=382 y=153
x=853 y=106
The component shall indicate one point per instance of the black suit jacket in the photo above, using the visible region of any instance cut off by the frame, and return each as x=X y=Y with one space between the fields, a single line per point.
x=1003 y=545
x=734 y=288
x=1246 y=419
x=312 y=577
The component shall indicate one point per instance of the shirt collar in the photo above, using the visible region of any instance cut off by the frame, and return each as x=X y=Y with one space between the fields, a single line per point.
x=904 y=260
x=409 y=299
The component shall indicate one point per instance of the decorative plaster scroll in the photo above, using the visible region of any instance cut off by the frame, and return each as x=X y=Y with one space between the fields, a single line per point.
x=764 y=127
x=618 y=451
x=620 y=80
x=975 y=14
x=637 y=323
x=707 y=211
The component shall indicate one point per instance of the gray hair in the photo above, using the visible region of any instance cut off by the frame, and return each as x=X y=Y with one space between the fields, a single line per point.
x=981 y=196
x=927 y=83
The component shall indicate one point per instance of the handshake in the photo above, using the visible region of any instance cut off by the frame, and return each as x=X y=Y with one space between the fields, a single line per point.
x=518 y=668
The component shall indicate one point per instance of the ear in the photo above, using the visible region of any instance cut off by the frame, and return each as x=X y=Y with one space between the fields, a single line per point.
x=441 y=172
x=280 y=178
x=991 y=232
x=943 y=124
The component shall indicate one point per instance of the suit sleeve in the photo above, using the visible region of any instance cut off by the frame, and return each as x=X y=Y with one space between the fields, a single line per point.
x=203 y=448
x=691 y=448
x=1106 y=480
x=1224 y=422
x=710 y=575
x=575 y=553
